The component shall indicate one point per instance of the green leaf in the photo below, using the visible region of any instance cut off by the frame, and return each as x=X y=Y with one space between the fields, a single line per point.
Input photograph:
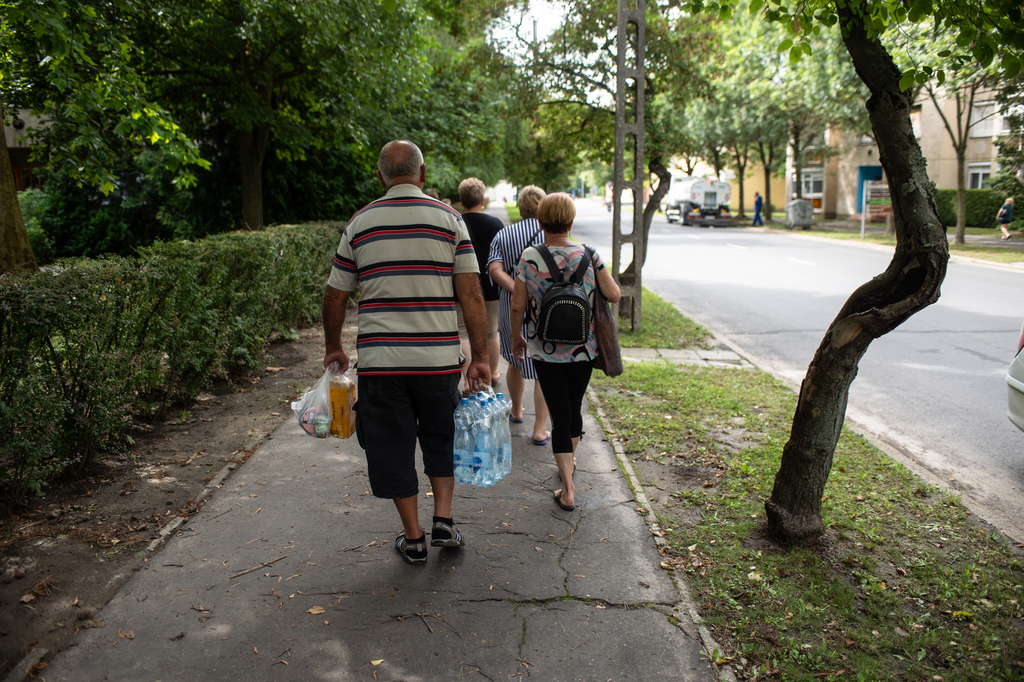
x=907 y=79
x=983 y=53
x=945 y=53
x=806 y=47
x=725 y=12
x=785 y=45
x=795 y=54
x=390 y=6
x=1011 y=65
x=940 y=76
x=107 y=187
x=921 y=77
x=756 y=5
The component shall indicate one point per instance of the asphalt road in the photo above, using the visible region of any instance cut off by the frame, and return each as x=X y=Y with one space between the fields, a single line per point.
x=934 y=388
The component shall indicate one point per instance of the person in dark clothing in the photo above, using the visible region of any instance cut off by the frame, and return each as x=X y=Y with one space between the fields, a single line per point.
x=758 y=202
x=1005 y=217
x=482 y=229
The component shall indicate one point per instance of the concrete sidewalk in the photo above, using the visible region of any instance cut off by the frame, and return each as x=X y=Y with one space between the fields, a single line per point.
x=537 y=592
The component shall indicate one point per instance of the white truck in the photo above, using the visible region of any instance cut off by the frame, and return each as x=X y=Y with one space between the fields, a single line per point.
x=698 y=201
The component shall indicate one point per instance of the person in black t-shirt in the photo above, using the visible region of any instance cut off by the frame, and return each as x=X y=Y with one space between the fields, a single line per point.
x=482 y=228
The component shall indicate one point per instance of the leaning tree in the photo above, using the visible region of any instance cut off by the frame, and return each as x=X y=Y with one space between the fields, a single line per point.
x=988 y=30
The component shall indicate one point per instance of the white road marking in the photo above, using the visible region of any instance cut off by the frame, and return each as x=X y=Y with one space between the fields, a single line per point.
x=802 y=262
x=737 y=246
x=693 y=236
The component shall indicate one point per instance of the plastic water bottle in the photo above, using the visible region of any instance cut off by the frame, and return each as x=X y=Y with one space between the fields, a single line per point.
x=495 y=413
x=506 y=436
x=463 y=442
x=483 y=449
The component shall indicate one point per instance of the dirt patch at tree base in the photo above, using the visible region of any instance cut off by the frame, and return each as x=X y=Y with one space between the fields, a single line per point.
x=67 y=553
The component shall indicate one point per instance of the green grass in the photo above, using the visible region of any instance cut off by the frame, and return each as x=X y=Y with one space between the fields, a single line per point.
x=662 y=327
x=513 y=211
x=995 y=254
x=905 y=585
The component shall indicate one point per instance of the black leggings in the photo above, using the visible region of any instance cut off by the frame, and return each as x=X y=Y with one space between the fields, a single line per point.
x=564 y=385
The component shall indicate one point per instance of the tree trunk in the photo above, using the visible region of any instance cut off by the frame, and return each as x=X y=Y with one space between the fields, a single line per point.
x=664 y=179
x=909 y=284
x=768 y=163
x=15 y=249
x=741 y=169
x=253 y=147
x=797 y=163
x=961 y=193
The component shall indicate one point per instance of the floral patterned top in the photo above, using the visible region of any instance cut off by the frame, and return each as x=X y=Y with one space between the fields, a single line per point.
x=533 y=271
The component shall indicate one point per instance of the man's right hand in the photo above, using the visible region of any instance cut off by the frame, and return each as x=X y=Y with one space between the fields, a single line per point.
x=339 y=356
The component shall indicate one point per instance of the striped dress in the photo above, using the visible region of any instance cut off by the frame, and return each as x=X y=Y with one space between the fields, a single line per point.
x=507 y=247
x=402 y=250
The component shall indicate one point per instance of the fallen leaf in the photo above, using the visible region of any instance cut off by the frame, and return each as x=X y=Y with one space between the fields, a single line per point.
x=316 y=610
x=255 y=651
x=377 y=662
x=756 y=577
x=849 y=642
x=27 y=598
x=900 y=631
x=876 y=634
x=691 y=548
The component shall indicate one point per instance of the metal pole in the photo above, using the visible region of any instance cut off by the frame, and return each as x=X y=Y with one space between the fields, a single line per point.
x=631 y=283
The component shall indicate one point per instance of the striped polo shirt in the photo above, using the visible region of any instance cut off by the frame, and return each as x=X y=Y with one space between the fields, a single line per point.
x=402 y=251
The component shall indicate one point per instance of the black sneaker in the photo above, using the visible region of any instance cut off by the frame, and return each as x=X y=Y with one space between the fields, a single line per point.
x=444 y=535
x=414 y=552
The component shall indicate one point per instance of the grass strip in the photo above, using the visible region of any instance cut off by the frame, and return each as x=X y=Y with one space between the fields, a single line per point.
x=662 y=327
x=513 y=211
x=995 y=254
x=906 y=584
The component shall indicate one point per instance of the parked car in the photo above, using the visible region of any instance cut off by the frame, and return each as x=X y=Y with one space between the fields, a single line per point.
x=1015 y=386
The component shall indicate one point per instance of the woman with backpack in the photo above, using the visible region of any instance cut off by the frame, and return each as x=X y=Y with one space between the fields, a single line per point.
x=554 y=286
x=1005 y=217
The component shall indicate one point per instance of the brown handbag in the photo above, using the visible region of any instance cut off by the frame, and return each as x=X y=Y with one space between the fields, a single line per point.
x=609 y=355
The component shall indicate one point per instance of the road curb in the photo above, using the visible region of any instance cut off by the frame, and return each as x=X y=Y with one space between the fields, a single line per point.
x=25 y=665
x=685 y=609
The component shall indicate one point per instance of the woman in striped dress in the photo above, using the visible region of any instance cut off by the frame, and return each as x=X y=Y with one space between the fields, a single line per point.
x=507 y=247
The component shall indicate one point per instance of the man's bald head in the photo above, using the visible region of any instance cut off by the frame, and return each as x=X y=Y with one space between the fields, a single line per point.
x=400 y=162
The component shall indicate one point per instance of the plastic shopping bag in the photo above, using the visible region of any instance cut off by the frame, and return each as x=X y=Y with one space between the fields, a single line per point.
x=313 y=410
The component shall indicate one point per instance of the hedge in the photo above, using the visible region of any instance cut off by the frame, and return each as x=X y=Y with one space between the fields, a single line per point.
x=91 y=344
x=982 y=206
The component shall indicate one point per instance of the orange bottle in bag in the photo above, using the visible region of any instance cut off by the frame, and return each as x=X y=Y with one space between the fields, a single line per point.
x=343 y=397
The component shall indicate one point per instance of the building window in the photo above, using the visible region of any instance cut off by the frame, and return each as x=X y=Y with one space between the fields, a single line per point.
x=978 y=175
x=983 y=119
x=813 y=183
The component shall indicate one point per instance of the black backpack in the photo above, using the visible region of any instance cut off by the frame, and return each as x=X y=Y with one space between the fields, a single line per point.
x=564 y=313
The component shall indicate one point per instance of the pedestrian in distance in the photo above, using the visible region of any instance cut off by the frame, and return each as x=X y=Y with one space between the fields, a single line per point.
x=563 y=369
x=506 y=249
x=406 y=252
x=482 y=230
x=1005 y=217
x=758 y=202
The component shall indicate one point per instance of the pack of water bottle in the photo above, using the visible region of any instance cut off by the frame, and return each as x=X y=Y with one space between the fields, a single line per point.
x=483 y=442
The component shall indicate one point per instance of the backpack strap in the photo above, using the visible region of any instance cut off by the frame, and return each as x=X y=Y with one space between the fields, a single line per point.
x=553 y=269
x=577 y=276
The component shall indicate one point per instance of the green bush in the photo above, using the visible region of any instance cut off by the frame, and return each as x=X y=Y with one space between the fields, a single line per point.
x=88 y=346
x=982 y=206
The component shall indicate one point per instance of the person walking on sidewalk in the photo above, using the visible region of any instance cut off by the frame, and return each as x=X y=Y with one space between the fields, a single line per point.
x=405 y=251
x=1005 y=217
x=506 y=249
x=563 y=370
x=758 y=202
x=482 y=230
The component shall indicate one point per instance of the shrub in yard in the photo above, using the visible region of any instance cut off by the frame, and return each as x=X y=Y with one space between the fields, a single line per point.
x=982 y=206
x=80 y=347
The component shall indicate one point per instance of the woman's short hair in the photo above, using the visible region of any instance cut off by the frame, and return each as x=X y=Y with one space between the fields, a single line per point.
x=1009 y=200
x=529 y=199
x=471 y=192
x=556 y=213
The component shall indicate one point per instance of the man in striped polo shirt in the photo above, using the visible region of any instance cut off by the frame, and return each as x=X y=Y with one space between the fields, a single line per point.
x=406 y=251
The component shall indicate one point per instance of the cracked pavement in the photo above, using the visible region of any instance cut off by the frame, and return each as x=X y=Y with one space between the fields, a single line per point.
x=537 y=592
